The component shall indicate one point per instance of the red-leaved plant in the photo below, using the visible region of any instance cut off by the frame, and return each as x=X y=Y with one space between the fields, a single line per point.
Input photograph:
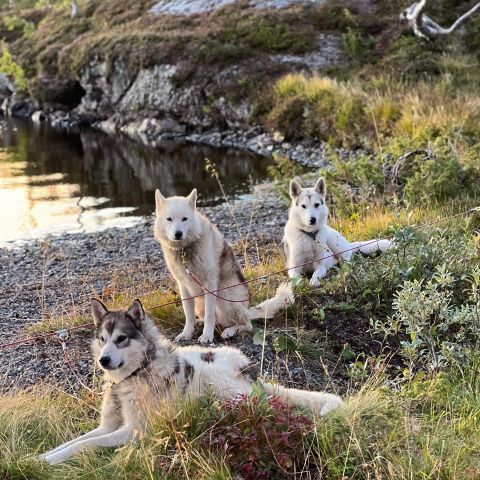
x=262 y=437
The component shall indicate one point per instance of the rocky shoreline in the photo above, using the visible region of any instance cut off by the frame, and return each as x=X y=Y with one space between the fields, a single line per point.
x=150 y=131
x=312 y=154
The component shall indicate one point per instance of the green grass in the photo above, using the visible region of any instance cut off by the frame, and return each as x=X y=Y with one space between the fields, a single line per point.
x=428 y=429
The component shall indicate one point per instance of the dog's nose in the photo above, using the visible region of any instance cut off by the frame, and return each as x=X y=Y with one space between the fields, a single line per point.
x=178 y=235
x=105 y=361
x=313 y=220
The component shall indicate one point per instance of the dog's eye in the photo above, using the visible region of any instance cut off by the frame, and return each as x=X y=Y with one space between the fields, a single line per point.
x=184 y=219
x=304 y=206
x=317 y=205
x=101 y=338
x=169 y=219
x=121 y=338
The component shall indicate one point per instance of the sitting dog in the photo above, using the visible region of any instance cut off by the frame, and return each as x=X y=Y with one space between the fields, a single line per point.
x=201 y=260
x=143 y=368
x=308 y=239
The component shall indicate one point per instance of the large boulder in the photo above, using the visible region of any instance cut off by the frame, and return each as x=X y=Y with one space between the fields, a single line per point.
x=160 y=93
x=104 y=84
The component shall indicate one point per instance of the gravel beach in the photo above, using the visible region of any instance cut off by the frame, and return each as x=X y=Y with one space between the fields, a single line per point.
x=56 y=276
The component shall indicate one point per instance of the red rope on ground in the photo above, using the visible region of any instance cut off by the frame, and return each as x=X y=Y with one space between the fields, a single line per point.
x=213 y=292
x=68 y=361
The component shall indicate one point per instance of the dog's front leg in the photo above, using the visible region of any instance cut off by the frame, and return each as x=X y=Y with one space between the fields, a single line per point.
x=113 y=439
x=209 y=321
x=97 y=432
x=318 y=274
x=294 y=264
x=189 y=309
x=326 y=262
x=320 y=267
x=109 y=422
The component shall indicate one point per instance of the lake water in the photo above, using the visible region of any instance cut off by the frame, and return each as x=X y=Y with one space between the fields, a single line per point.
x=54 y=181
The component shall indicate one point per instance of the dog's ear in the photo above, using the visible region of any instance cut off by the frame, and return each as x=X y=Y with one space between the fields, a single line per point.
x=99 y=310
x=159 y=199
x=137 y=312
x=295 y=189
x=192 y=198
x=321 y=186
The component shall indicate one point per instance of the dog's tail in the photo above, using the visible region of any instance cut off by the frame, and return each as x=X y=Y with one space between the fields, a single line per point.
x=270 y=307
x=320 y=403
x=372 y=246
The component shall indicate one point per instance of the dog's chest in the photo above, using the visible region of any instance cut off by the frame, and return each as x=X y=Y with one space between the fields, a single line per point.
x=198 y=258
x=307 y=244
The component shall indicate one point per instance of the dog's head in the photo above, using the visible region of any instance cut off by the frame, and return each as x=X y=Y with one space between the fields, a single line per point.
x=121 y=344
x=308 y=209
x=176 y=219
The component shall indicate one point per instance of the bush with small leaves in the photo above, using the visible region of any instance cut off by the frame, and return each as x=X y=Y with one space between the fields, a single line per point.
x=438 y=333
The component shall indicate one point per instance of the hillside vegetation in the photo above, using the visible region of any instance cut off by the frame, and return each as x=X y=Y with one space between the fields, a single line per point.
x=397 y=335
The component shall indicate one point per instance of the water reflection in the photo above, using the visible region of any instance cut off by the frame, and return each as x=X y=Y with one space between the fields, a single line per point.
x=56 y=181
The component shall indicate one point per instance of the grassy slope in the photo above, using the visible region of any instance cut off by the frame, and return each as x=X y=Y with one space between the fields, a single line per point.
x=404 y=418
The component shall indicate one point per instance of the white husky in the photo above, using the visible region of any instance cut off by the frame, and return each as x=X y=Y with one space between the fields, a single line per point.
x=308 y=239
x=143 y=368
x=201 y=260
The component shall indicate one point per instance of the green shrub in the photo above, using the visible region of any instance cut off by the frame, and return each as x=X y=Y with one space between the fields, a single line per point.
x=14 y=22
x=438 y=333
x=10 y=67
x=402 y=171
x=370 y=285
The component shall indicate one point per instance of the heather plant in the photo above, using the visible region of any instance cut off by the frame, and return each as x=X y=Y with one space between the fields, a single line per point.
x=262 y=437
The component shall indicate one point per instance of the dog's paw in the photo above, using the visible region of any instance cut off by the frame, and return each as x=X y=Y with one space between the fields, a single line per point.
x=185 y=335
x=205 y=338
x=318 y=274
x=230 y=332
x=48 y=458
x=384 y=244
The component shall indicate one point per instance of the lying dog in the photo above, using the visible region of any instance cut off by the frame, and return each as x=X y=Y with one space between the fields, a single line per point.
x=143 y=368
x=191 y=243
x=308 y=239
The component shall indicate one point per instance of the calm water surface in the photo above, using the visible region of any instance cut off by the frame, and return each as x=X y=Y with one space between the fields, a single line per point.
x=52 y=182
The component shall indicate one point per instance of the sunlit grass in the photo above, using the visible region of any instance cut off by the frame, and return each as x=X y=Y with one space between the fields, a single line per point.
x=428 y=427
x=357 y=113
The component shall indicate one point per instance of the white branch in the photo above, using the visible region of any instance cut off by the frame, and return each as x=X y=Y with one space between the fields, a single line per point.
x=74 y=8
x=424 y=27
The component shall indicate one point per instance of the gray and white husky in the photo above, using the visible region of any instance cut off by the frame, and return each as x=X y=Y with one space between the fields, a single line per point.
x=143 y=369
x=192 y=243
x=308 y=239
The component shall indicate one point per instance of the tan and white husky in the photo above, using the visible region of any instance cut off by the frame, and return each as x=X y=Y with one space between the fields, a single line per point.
x=308 y=239
x=194 y=249
x=142 y=368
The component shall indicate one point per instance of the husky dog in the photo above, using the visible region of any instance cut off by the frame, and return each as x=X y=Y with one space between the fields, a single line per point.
x=143 y=369
x=308 y=239
x=201 y=260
